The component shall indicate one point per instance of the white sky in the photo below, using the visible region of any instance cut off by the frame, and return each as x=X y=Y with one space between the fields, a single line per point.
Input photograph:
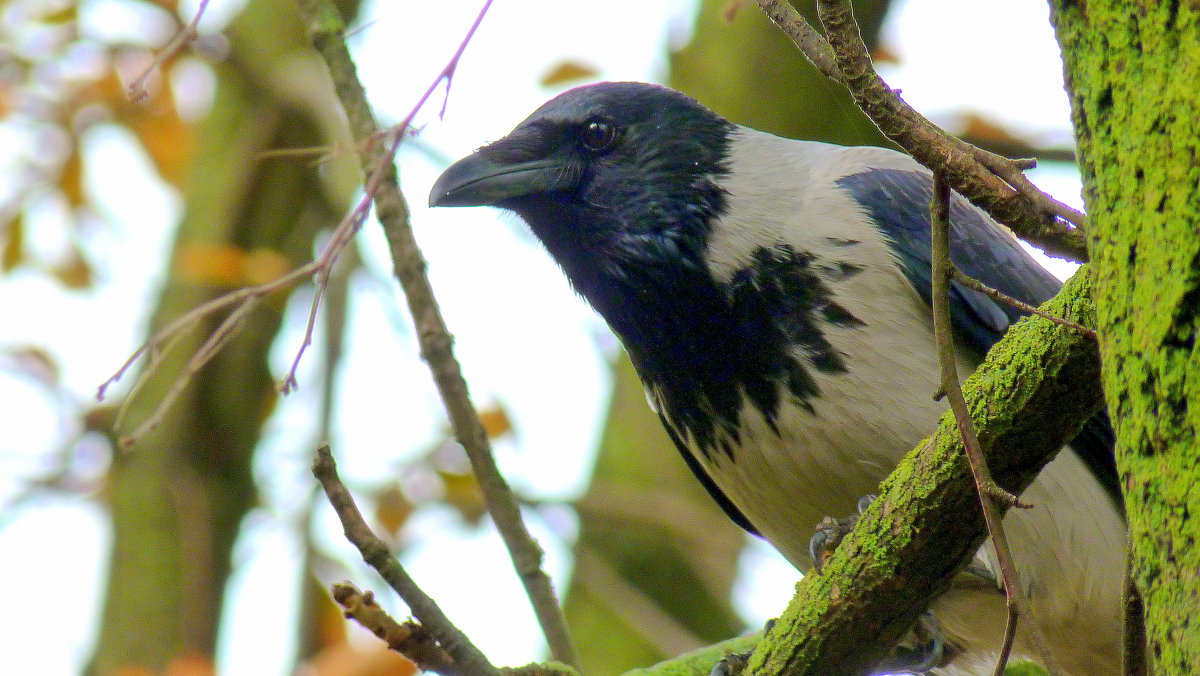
x=524 y=339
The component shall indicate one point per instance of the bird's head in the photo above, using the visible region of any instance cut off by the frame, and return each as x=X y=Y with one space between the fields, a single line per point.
x=602 y=172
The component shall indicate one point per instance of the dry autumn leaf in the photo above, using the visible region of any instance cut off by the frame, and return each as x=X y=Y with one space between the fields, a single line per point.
x=70 y=178
x=568 y=71
x=228 y=265
x=74 y=272
x=495 y=422
x=392 y=508
x=348 y=659
x=461 y=491
x=14 y=245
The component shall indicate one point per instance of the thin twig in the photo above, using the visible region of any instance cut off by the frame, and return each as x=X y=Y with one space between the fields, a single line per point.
x=989 y=491
x=241 y=300
x=137 y=88
x=224 y=332
x=972 y=283
x=1015 y=202
x=376 y=553
x=1010 y=637
x=342 y=235
x=326 y=31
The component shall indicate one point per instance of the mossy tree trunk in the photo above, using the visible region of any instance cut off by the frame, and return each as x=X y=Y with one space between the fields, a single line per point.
x=1133 y=73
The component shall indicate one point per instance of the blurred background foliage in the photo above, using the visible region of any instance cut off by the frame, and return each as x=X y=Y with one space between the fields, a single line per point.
x=243 y=127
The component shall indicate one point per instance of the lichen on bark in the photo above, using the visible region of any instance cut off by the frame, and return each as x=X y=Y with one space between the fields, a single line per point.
x=1132 y=71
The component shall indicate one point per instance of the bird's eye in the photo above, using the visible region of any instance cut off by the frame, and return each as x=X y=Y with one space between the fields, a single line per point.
x=597 y=135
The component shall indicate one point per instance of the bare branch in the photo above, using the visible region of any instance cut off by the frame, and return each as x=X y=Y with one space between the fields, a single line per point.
x=970 y=282
x=326 y=31
x=376 y=553
x=989 y=491
x=407 y=638
x=993 y=187
x=219 y=339
x=137 y=88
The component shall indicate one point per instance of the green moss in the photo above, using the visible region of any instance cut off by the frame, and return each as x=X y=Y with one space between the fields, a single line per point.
x=1133 y=77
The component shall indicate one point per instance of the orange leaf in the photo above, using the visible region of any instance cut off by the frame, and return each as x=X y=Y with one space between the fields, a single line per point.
x=882 y=54
x=495 y=422
x=70 y=178
x=392 y=508
x=75 y=272
x=228 y=265
x=978 y=126
x=14 y=245
x=191 y=664
x=329 y=620
x=263 y=265
x=462 y=493
x=347 y=659
x=168 y=140
x=566 y=71
x=216 y=264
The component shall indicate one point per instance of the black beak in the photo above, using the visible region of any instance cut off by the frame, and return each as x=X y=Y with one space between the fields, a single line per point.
x=477 y=180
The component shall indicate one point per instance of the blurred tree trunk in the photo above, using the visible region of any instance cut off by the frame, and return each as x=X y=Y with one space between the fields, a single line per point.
x=179 y=494
x=656 y=558
x=1132 y=74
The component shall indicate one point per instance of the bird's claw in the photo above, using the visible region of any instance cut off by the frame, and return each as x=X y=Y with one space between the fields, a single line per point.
x=733 y=663
x=928 y=653
x=730 y=665
x=831 y=531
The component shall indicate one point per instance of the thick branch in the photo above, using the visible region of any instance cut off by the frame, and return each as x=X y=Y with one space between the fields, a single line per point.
x=1032 y=394
x=327 y=30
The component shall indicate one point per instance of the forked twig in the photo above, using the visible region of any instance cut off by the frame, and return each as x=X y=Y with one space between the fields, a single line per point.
x=137 y=89
x=376 y=553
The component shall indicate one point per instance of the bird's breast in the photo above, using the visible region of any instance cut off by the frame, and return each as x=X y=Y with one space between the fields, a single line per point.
x=811 y=457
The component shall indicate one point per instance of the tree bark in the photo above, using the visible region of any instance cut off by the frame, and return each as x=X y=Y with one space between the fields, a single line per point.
x=1132 y=75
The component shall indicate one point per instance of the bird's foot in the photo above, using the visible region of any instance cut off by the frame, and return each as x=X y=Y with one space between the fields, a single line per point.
x=733 y=663
x=922 y=650
x=831 y=531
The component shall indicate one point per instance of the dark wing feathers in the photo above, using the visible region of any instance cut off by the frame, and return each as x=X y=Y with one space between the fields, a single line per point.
x=898 y=203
